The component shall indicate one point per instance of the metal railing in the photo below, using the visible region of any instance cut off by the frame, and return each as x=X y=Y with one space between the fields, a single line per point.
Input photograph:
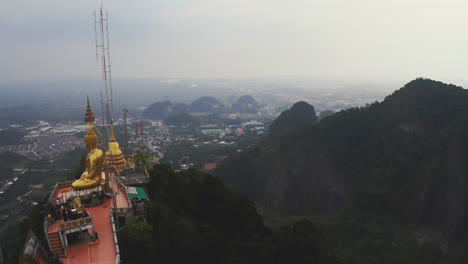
x=76 y=225
x=114 y=230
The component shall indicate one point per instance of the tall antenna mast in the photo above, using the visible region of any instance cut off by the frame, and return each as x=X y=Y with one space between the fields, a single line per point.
x=102 y=112
x=108 y=58
x=101 y=35
x=125 y=112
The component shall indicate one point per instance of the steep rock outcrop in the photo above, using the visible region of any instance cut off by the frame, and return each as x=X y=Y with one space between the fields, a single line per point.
x=404 y=157
x=207 y=104
x=158 y=110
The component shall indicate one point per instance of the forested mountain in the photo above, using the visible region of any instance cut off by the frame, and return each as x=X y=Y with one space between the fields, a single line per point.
x=300 y=116
x=245 y=104
x=180 y=108
x=207 y=104
x=390 y=176
x=180 y=119
x=193 y=218
x=158 y=110
x=324 y=114
x=210 y=104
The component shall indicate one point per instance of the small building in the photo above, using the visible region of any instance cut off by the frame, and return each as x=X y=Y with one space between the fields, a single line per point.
x=253 y=125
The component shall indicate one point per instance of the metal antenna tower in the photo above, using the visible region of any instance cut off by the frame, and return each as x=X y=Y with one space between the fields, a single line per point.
x=125 y=112
x=101 y=34
x=103 y=113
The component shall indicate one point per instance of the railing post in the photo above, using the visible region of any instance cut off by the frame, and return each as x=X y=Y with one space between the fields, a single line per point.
x=46 y=231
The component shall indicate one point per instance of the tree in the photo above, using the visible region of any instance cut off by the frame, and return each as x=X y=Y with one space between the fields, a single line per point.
x=136 y=240
x=300 y=242
x=27 y=259
x=140 y=159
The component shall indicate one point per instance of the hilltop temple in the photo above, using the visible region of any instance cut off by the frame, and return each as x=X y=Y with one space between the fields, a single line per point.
x=84 y=214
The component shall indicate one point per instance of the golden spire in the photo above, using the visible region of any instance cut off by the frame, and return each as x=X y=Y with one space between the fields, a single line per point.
x=114 y=155
x=91 y=137
x=89 y=116
x=112 y=137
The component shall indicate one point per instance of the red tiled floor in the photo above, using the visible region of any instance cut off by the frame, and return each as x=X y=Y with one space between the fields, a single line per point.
x=121 y=198
x=101 y=251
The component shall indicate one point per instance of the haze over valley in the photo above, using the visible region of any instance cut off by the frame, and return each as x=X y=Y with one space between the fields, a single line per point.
x=215 y=131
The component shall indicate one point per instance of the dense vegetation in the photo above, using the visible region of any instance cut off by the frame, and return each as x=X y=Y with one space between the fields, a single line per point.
x=12 y=230
x=324 y=114
x=193 y=218
x=39 y=172
x=14 y=245
x=388 y=180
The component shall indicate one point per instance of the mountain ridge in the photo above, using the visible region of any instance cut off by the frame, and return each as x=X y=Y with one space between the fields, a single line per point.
x=403 y=157
x=162 y=109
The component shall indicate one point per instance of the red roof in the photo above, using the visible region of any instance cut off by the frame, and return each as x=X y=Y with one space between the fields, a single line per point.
x=208 y=166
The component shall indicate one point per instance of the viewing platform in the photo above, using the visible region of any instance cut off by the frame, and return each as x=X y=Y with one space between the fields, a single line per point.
x=86 y=235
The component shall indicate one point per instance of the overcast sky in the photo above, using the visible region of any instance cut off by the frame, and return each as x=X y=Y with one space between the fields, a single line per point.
x=374 y=40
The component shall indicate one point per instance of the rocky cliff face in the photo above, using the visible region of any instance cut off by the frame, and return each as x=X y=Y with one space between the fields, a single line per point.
x=299 y=175
x=404 y=157
x=292 y=176
x=442 y=204
x=302 y=180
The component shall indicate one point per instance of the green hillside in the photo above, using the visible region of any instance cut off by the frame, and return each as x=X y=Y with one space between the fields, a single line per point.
x=193 y=218
x=387 y=182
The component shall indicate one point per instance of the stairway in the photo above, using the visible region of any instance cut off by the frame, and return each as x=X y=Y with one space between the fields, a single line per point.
x=56 y=244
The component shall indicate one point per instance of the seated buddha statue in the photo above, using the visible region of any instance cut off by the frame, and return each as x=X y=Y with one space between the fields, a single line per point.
x=94 y=160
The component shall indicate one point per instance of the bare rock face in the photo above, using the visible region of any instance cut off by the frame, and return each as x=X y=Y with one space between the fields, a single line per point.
x=441 y=204
x=300 y=177
x=302 y=180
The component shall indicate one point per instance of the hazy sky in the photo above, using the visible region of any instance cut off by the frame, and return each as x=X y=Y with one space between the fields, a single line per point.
x=327 y=39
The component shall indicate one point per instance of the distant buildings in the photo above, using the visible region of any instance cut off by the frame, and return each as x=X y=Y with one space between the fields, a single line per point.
x=217 y=131
x=45 y=141
x=220 y=131
x=254 y=127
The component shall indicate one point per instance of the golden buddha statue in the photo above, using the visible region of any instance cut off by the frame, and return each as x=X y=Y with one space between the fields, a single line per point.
x=94 y=161
x=95 y=158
